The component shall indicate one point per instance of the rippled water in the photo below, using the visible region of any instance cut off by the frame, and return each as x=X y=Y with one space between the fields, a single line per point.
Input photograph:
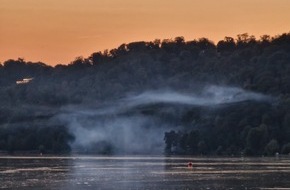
x=45 y=173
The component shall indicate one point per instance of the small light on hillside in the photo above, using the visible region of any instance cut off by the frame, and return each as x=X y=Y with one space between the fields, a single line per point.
x=24 y=81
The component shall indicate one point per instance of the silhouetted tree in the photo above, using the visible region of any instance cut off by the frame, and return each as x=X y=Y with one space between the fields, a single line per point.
x=226 y=45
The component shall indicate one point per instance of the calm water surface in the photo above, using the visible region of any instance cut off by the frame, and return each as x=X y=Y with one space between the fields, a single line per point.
x=66 y=173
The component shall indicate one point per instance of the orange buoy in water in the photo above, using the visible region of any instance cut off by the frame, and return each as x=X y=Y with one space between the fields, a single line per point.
x=189 y=164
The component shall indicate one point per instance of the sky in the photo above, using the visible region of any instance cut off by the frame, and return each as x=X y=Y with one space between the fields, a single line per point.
x=58 y=31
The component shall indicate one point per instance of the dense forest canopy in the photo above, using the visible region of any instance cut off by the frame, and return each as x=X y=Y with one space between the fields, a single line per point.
x=57 y=109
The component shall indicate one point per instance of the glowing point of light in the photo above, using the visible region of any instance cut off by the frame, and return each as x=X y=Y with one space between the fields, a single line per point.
x=24 y=81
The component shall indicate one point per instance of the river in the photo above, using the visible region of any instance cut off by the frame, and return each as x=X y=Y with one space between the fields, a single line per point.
x=143 y=172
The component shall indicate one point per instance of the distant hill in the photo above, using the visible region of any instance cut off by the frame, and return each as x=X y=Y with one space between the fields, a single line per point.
x=57 y=109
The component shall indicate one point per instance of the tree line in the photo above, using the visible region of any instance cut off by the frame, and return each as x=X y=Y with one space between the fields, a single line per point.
x=260 y=65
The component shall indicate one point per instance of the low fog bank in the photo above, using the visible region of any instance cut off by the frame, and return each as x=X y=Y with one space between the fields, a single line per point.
x=117 y=135
x=123 y=127
x=209 y=96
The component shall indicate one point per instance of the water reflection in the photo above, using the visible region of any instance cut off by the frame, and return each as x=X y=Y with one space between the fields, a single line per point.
x=143 y=173
x=25 y=172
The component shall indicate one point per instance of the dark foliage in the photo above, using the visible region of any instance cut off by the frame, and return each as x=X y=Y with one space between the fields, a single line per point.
x=252 y=128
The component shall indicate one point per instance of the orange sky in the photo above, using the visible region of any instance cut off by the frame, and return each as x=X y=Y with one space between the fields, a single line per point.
x=57 y=31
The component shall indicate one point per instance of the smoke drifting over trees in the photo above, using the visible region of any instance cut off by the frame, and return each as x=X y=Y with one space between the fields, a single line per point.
x=172 y=96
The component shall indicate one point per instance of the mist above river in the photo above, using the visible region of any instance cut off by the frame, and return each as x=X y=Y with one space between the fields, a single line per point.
x=136 y=123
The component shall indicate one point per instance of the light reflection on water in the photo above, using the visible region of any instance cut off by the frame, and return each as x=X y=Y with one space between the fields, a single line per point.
x=45 y=173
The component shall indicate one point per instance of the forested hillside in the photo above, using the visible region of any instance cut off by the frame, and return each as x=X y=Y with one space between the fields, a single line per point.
x=36 y=97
